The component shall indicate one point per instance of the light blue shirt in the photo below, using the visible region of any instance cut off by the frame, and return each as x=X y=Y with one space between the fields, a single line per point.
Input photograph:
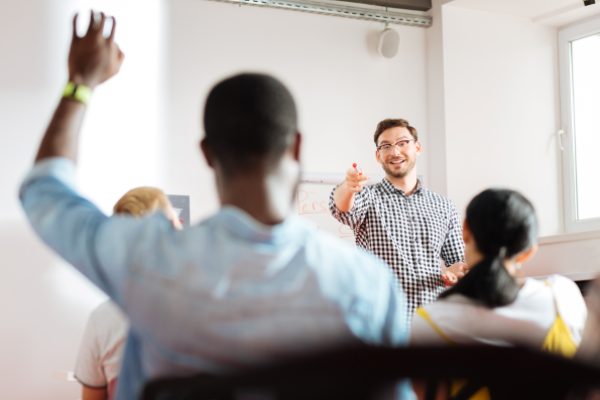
x=221 y=296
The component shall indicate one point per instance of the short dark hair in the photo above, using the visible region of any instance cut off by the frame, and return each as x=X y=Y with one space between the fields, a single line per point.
x=392 y=123
x=249 y=121
x=503 y=224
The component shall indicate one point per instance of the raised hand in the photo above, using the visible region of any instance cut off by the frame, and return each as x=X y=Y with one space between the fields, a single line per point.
x=93 y=58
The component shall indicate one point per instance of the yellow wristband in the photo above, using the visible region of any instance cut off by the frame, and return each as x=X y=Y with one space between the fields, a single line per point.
x=78 y=92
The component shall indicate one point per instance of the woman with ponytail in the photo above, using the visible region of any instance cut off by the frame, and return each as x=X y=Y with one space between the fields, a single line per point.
x=490 y=305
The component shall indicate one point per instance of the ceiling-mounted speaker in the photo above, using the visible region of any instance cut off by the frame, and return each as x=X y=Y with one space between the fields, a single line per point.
x=389 y=41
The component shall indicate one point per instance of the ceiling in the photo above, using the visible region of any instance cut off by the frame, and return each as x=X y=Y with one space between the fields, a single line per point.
x=547 y=12
x=417 y=5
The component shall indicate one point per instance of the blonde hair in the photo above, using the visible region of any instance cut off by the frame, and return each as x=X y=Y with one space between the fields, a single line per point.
x=141 y=201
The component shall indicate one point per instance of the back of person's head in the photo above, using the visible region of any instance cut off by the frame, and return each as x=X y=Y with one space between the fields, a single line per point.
x=249 y=120
x=142 y=201
x=503 y=225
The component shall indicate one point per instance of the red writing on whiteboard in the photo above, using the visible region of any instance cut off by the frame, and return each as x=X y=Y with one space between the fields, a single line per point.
x=308 y=204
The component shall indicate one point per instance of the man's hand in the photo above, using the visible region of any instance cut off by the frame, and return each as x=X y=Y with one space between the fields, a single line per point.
x=94 y=59
x=454 y=273
x=449 y=278
x=344 y=193
x=354 y=181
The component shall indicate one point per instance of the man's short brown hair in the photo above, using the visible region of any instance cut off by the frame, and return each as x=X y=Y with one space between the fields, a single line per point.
x=392 y=123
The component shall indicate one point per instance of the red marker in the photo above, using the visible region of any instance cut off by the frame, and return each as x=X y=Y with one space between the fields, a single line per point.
x=357 y=169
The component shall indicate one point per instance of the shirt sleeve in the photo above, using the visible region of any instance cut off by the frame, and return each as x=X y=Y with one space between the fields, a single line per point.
x=356 y=216
x=88 y=369
x=453 y=250
x=101 y=248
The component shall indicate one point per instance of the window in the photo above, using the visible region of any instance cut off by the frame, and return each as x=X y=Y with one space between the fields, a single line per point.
x=579 y=52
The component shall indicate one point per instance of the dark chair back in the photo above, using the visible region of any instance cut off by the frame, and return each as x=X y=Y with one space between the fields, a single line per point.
x=370 y=373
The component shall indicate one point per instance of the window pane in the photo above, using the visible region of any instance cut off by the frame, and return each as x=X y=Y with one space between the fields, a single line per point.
x=586 y=113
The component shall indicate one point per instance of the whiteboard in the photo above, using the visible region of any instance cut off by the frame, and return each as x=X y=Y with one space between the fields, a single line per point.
x=312 y=203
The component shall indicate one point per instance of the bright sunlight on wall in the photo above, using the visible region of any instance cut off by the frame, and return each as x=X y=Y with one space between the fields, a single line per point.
x=121 y=139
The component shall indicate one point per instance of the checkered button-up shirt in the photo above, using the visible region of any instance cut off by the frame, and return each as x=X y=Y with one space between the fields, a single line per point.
x=410 y=233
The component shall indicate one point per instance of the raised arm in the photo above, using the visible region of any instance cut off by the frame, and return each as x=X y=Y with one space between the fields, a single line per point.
x=93 y=59
x=346 y=205
x=343 y=196
x=68 y=223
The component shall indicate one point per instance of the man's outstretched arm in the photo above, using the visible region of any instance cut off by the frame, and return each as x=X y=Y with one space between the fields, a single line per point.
x=93 y=59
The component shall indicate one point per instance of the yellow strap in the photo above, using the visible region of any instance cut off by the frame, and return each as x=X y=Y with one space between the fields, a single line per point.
x=553 y=297
x=559 y=339
x=78 y=92
x=456 y=384
x=427 y=318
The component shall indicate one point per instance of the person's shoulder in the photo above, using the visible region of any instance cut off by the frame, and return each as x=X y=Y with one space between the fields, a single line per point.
x=564 y=286
x=454 y=301
x=564 y=290
x=331 y=255
x=449 y=314
x=108 y=315
x=322 y=241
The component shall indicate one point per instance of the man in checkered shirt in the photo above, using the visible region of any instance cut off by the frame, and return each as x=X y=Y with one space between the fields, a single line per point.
x=400 y=221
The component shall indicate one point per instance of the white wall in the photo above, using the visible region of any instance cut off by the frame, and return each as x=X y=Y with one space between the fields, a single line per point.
x=342 y=86
x=501 y=109
x=436 y=102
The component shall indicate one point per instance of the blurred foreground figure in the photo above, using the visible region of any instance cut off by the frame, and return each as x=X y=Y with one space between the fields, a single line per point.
x=101 y=352
x=589 y=350
x=248 y=286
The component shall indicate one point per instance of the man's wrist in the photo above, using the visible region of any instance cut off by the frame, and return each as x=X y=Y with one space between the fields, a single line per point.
x=80 y=93
x=79 y=80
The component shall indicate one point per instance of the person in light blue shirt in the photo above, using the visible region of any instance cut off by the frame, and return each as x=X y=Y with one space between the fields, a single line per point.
x=250 y=285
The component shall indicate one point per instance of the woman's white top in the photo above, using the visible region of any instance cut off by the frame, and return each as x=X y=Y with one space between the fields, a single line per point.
x=102 y=347
x=525 y=322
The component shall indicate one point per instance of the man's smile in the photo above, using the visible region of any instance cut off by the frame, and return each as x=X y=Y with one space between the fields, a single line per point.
x=398 y=162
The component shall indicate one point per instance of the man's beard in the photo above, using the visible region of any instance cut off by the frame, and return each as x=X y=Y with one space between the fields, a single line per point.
x=410 y=165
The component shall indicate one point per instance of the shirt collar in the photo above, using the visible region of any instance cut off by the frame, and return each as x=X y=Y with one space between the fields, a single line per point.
x=390 y=188
x=241 y=224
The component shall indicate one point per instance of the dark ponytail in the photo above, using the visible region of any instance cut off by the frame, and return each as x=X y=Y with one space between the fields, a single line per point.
x=503 y=224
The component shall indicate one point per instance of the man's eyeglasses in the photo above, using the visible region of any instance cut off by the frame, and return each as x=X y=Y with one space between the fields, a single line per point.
x=386 y=149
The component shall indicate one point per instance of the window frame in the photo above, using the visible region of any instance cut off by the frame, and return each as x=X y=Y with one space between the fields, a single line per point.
x=566 y=35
